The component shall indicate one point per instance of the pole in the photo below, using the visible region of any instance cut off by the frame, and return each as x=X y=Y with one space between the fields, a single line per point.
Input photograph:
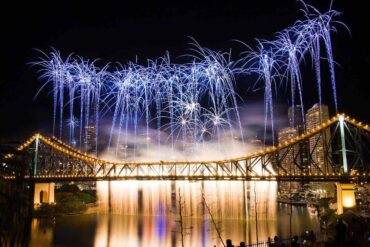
x=36 y=155
x=343 y=144
x=255 y=208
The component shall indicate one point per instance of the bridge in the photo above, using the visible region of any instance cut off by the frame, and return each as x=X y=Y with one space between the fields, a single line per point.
x=343 y=153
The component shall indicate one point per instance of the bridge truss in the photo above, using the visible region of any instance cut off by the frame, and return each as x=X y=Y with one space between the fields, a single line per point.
x=337 y=150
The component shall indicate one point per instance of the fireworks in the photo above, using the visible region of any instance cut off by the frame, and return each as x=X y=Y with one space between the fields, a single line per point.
x=192 y=102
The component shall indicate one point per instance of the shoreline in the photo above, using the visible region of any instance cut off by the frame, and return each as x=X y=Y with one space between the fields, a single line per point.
x=91 y=208
x=295 y=203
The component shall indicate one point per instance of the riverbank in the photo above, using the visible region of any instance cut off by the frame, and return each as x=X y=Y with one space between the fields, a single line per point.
x=291 y=202
x=69 y=200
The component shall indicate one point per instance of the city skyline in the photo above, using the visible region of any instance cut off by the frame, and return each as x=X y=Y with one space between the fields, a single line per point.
x=315 y=116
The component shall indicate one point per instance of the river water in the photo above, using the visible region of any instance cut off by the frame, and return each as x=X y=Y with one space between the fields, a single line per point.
x=147 y=213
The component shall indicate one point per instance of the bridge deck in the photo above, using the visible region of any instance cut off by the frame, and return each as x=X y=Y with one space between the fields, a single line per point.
x=319 y=178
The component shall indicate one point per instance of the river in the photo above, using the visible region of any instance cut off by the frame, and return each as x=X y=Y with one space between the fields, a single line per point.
x=147 y=213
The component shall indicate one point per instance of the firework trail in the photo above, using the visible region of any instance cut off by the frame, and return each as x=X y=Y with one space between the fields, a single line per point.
x=193 y=102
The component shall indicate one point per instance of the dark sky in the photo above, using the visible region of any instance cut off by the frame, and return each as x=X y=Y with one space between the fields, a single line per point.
x=119 y=32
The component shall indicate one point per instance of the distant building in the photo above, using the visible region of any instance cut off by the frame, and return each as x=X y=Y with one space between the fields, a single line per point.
x=122 y=151
x=90 y=140
x=314 y=117
x=289 y=161
x=296 y=121
x=285 y=135
x=297 y=156
x=256 y=142
x=295 y=117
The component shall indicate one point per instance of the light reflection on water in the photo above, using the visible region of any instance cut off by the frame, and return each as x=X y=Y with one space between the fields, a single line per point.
x=146 y=213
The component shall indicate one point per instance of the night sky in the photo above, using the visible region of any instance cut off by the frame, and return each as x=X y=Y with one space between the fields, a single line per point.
x=119 y=32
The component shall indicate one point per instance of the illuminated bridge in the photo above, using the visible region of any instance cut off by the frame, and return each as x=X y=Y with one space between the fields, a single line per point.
x=345 y=154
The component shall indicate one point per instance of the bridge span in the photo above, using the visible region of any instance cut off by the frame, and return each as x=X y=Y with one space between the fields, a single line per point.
x=345 y=156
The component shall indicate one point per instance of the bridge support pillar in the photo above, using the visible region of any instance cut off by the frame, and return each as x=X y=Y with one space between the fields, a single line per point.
x=44 y=193
x=345 y=197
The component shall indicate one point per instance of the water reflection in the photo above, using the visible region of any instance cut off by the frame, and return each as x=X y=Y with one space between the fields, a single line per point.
x=228 y=199
x=146 y=213
x=42 y=233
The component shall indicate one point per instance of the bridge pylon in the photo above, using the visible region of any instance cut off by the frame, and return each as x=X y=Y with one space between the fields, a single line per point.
x=345 y=197
x=44 y=194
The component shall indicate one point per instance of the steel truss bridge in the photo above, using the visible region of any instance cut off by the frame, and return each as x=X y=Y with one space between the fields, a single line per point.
x=337 y=150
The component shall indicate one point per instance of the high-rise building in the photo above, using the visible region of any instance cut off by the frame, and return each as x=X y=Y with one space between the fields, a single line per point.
x=295 y=160
x=291 y=158
x=90 y=139
x=318 y=143
x=295 y=117
x=285 y=135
